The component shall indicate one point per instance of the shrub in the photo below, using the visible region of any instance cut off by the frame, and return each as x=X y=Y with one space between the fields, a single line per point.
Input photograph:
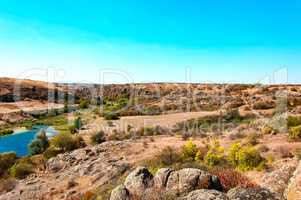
x=244 y=158
x=294 y=133
x=64 y=142
x=111 y=116
x=6 y=161
x=249 y=158
x=214 y=155
x=6 y=132
x=78 y=123
x=230 y=178
x=39 y=145
x=263 y=148
x=166 y=157
x=21 y=170
x=98 y=138
x=7 y=185
x=83 y=104
x=72 y=129
x=262 y=105
x=293 y=121
x=252 y=138
x=51 y=152
x=189 y=151
x=268 y=130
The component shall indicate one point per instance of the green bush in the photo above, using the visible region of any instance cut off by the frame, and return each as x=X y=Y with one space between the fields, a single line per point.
x=83 y=104
x=78 y=123
x=64 y=142
x=189 y=151
x=293 y=121
x=252 y=138
x=98 y=138
x=294 y=133
x=111 y=116
x=39 y=145
x=51 y=152
x=268 y=130
x=262 y=105
x=245 y=158
x=215 y=154
x=21 y=170
x=72 y=129
x=6 y=132
x=6 y=161
x=249 y=158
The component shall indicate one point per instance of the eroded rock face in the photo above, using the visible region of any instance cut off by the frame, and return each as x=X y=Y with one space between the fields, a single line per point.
x=251 y=194
x=204 y=195
x=293 y=190
x=138 y=181
x=120 y=193
x=277 y=181
x=72 y=174
x=142 y=185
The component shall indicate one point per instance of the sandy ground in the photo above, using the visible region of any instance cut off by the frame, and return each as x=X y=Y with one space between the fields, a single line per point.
x=137 y=122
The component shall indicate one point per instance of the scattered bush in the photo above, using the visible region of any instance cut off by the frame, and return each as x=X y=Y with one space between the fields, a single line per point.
x=189 y=151
x=64 y=142
x=72 y=129
x=231 y=179
x=6 y=132
x=215 y=154
x=21 y=170
x=294 y=133
x=262 y=105
x=245 y=158
x=83 y=104
x=263 y=148
x=39 y=145
x=7 y=185
x=252 y=138
x=78 y=123
x=293 y=121
x=51 y=152
x=111 y=116
x=266 y=130
x=98 y=138
x=6 y=161
x=249 y=158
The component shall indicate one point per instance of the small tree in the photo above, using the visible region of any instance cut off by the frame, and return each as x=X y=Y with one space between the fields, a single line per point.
x=83 y=104
x=39 y=145
x=64 y=142
x=78 y=123
x=189 y=151
x=98 y=138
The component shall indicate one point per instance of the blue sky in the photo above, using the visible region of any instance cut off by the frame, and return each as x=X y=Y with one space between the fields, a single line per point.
x=147 y=41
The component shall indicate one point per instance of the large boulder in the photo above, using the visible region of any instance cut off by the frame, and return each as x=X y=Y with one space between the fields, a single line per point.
x=140 y=184
x=138 y=181
x=277 y=180
x=120 y=193
x=205 y=195
x=250 y=194
x=293 y=190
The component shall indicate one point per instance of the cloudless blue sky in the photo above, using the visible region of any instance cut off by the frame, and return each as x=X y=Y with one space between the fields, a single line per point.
x=218 y=41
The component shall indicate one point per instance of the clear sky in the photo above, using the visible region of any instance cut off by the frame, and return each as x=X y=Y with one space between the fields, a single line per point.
x=151 y=41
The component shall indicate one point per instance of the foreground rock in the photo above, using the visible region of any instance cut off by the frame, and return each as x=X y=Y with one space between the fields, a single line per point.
x=293 y=190
x=251 y=194
x=72 y=174
x=277 y=180
x=205 y=195
x=141 y=184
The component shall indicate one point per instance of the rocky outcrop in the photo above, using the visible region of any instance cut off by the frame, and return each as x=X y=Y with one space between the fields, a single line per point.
x=142 y=184
x=277 y=180
x=72 y=174
x=205 y=195
x=293 y=190
x=251 y=194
